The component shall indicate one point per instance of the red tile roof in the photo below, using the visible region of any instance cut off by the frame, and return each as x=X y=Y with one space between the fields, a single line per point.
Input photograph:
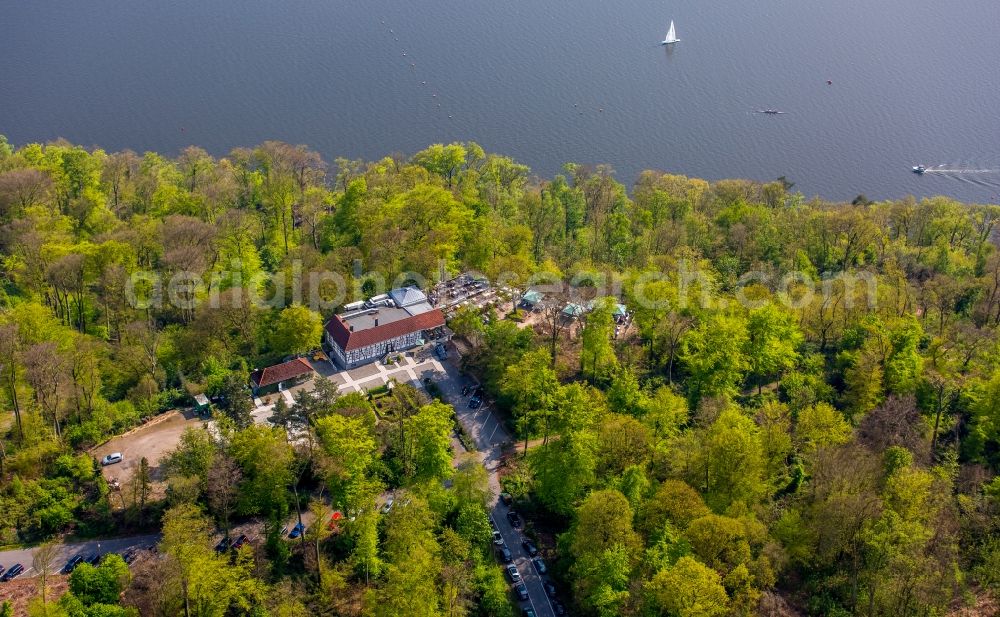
x=280 y=372
x=347 y=340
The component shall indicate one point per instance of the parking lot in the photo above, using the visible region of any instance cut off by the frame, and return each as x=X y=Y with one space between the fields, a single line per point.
x=152 y=440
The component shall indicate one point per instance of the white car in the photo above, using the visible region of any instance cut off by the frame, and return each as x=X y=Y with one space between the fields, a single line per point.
x=111 y=459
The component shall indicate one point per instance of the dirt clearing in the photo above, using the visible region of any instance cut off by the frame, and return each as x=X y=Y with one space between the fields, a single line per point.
x=152 y=440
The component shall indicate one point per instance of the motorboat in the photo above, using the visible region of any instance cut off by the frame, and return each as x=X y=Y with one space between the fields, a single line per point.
x=919 y=169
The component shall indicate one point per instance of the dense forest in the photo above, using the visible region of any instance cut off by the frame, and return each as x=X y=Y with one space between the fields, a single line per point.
x=803 y=419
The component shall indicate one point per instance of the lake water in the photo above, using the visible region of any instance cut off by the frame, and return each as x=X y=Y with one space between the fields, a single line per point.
x=914 y=81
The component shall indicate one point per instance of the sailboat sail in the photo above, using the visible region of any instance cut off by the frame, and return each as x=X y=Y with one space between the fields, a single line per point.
x=671 y=35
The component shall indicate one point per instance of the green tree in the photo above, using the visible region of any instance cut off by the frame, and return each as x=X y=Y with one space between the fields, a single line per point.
x=532 y=388
x=713 y=354
x=349 y=443
x=731 y=461
x=564 y=469
x=101 y=584
x=603 y=521
x=429 y=434
x=674 y=502
x=296 y=330
x=819 y=426
x=443 y=160
x=471 y=482
x=771 y=343
x=265 y=458
x=206 y=584
x=597 y=356
x=603 y=546
x=193 y=455
x=688 y=589
x=236 y=400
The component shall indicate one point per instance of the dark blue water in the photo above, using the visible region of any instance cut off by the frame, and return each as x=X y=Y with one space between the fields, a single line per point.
x=914 y=81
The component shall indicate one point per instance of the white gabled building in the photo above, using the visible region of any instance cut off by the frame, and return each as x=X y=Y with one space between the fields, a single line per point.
x=401 y=320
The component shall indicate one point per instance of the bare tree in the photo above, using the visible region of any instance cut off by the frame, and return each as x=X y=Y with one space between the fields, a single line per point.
x=85 y=370
x=896 y=422
x=119 y=169
x=555 y=320
x=10 y=351
x=143 y=483
x=43 y=561
x=21 y=188
x=224 y=477
x=195 y=164
x=68 y=278
x=667 y=337
x=48 y=374
x=141 y=342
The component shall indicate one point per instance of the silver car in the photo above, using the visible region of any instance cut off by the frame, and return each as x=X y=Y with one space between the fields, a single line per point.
x=111 y=459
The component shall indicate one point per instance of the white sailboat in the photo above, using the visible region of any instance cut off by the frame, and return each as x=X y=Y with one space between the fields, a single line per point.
x=671 y=35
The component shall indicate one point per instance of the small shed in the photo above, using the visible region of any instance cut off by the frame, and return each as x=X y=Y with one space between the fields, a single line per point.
x=201 y=404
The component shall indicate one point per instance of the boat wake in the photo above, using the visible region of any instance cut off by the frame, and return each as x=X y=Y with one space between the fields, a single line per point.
x=970 y=175
x=935 y=170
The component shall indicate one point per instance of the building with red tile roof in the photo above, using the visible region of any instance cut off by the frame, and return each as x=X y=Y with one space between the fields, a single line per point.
x=279 y=376
x=381 y=327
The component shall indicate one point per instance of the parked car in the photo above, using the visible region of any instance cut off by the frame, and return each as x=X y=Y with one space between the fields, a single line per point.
x=528 y=612
x=513 y=574
x=559 y=609
x=514 y=519
x=93 y=558
x=441 y=351
x=531 y=549
x=239 y=542
x=497 y=538
x=71 y=564
x=506 y=499
x=550 y=589
x=522 y=591
x=387 y=508
x=222 y=545
x=111 y=459
x=475 y=402
x=539 y=564
x=14 y=571
x=297 y=531
x=505 y=555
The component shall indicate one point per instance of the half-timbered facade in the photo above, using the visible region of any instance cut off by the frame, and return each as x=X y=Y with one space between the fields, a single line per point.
x=381 y=327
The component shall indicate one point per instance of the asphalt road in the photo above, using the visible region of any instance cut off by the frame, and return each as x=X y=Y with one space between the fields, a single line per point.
x=67 y=551
x=489 y=436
